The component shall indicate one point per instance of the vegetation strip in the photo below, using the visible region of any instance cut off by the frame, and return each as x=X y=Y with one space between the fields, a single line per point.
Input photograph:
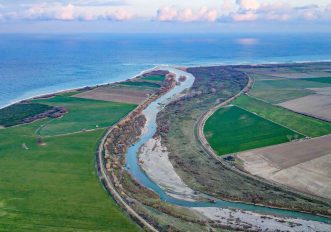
x=309 y=126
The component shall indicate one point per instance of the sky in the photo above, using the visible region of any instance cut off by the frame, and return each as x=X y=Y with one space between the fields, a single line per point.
x=164 y=16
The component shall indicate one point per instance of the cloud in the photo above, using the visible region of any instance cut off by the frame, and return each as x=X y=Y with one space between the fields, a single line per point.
x=68 y=12
x=251 y=10
x=118 y=15
x=170 y=14
x=65 y=13
x=99 y=3
x=167 y=14
x=248 y=4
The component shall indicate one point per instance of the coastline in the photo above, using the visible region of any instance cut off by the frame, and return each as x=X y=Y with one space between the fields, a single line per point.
x=31 y=94
x=66 y=90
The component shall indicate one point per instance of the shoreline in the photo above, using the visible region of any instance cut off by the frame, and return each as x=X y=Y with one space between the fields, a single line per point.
x=208 y=64
x=67 y=90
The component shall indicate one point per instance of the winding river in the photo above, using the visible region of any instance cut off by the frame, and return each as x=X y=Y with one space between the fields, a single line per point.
x=132 y=162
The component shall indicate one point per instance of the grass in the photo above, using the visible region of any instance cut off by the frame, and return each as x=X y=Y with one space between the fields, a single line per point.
x=277 y=91
x=14 y=114
x=232 y=129
x=154 y=78
x=303 y=124
x=84 y=114
x=141 y=83
x=53 y=187
x=326 y=80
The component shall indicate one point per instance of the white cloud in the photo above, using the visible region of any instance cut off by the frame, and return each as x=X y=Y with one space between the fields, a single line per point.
x=327 y=12
x=187 y=14
x=248 y=4
x=119 y=15
x=167 y=14
x=65 y=13
x=69 y=12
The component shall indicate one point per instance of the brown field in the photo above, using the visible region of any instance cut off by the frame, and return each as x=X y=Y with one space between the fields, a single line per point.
x=323 y=91
x=286 y=73
x=124 y=94
x=316 y=105
x=304 y=165
x=296 y=75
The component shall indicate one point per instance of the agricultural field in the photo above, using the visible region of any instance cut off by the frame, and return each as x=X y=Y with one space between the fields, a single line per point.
x=303 y=165
x=326 y=80
x=117 y=93
x=302 y=88
x=280 y=90
x=315 y=105
x=177 y=126
x=303 y=124
x=232 y=129
x=158 y=78
x=141 y=84
x=50 y=184
x=84 y=114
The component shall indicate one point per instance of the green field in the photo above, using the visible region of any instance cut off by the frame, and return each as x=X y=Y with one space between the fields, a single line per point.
x=51 y=185
x=84 y=114
x=276 y=91
x=326 y=80
x=14 y=114
x=154 y=78
x=232 y=129
x=141 y=83
x=303 y=124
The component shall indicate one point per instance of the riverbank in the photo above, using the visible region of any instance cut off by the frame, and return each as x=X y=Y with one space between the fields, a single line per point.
x=133 y=167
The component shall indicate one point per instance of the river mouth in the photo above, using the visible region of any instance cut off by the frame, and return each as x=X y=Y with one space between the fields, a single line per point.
x=133 y=167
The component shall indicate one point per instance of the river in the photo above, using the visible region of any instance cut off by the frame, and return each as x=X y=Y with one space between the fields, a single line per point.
x=132 y=162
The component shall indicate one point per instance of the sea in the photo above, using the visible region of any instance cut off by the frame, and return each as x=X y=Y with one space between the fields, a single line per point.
x=36 y=64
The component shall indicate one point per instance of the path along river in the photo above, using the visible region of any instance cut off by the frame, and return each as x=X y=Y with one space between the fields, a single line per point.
x=132 y=162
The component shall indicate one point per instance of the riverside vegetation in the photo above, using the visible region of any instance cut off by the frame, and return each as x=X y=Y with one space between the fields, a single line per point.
x=177 y=126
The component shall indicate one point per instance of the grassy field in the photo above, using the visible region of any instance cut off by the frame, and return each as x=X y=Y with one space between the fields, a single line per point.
x=158 y=78
x=276 y=91
x=50 y=184
x=232 y=129
x=53 y=187
x=141 y=83
x=14 y=114
x=326 y=80
x=84 y=114
x=303 y=124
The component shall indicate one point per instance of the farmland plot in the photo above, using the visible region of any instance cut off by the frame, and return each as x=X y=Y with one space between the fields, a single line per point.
x=316 y=105
x=303 y=165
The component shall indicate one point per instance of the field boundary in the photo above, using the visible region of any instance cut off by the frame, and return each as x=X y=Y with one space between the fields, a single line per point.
x=209 y=150
x=271 y=121
x=303 y=114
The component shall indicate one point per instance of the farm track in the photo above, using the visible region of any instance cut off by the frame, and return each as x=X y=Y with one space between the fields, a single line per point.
x=108 y=185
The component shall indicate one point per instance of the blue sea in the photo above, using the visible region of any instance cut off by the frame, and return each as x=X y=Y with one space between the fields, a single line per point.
x=36 y=64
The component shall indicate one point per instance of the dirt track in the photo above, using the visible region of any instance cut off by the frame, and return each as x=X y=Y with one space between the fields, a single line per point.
x=105 y=180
